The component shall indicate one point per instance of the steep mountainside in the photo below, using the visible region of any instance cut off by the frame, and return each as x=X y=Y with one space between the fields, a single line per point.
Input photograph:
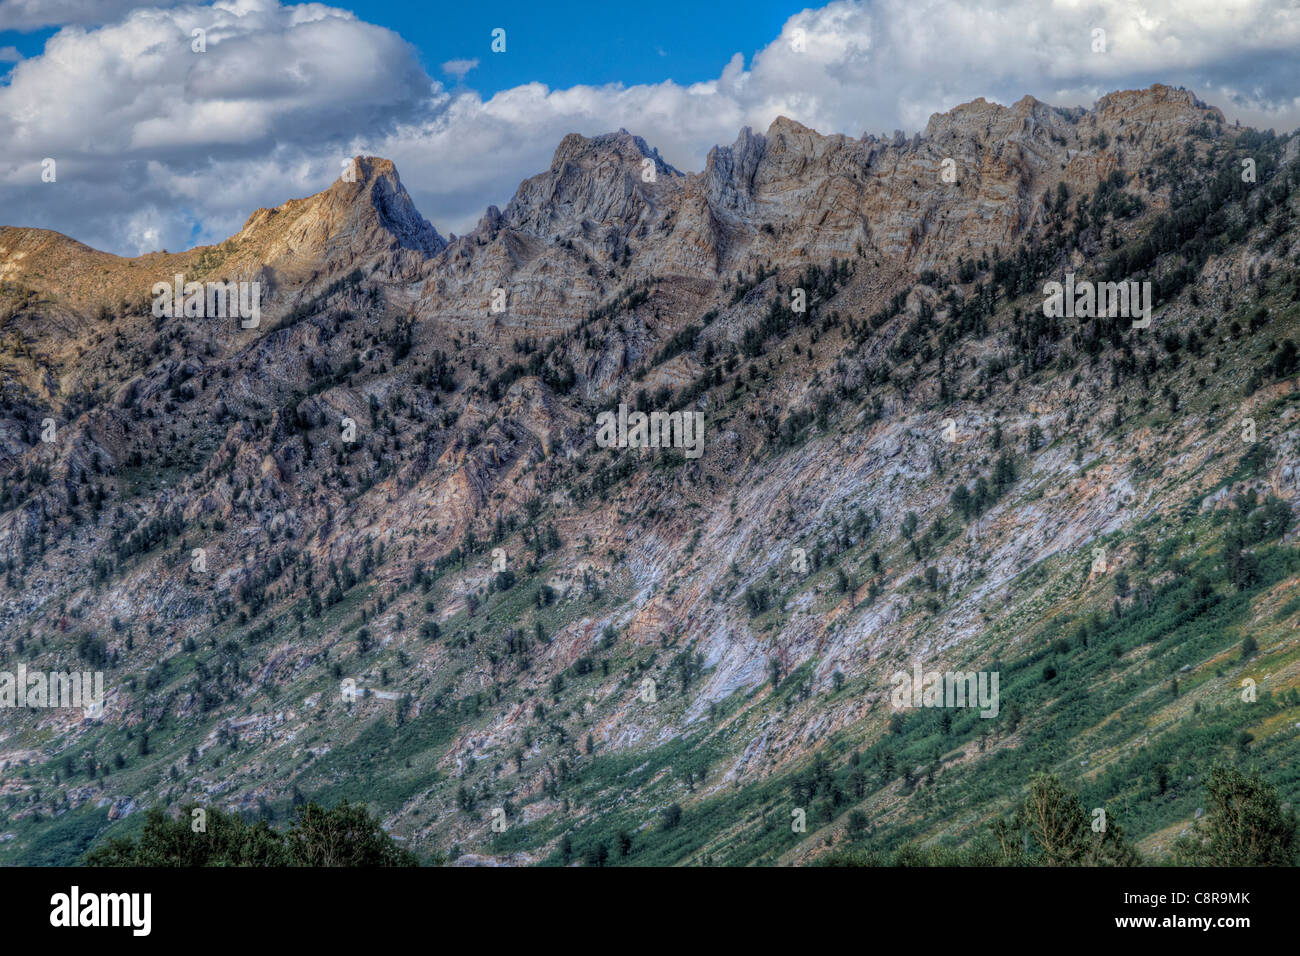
x=393 y=482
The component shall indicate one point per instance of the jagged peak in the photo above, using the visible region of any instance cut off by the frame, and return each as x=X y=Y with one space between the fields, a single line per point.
x=1156 y=95
x=976 y=110
x=489 y=223
x=784 y=124
x=369 y=186
x=1116 y=104
x=746 y=142
x=624 y=145
x=597 y=178
x=369 y=168
x=1027 y=104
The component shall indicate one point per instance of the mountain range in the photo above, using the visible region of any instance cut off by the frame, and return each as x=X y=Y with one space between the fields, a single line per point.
x=370 y=549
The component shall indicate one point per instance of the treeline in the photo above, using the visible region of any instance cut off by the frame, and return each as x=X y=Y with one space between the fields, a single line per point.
x=1246 y=824
x=346 y=835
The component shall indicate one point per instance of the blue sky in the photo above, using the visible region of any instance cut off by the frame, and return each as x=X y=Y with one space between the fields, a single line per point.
x=161 y=145
x=564 y=43
x=559 y=42
x=28 y=44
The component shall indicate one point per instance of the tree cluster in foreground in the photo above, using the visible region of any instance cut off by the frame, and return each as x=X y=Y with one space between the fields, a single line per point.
x=1246 y=825
x=346 y=835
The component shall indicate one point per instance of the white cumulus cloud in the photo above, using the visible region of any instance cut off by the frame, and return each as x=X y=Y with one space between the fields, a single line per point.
x=459 y=68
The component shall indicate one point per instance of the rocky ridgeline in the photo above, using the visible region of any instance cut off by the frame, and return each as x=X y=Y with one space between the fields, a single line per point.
x=474 y=414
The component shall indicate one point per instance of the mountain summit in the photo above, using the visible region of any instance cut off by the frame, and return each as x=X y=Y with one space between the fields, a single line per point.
x=376 y=547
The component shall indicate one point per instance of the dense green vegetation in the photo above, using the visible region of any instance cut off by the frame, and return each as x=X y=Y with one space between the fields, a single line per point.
x=346 y=835
x=1245 y=827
